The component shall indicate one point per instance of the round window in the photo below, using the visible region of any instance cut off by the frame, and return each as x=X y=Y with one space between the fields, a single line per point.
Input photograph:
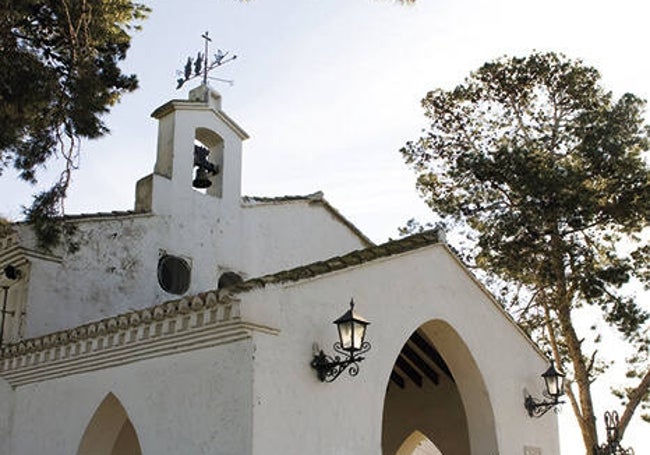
x=174 y=274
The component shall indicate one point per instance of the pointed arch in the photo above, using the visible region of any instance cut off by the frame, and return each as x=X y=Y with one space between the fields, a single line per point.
x=110 y=431
x=418 y=444
x=436 y=387
x=204 y=137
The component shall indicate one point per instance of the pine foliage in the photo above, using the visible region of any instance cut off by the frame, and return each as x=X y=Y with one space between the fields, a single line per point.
x=549 y=171
x=60 y=75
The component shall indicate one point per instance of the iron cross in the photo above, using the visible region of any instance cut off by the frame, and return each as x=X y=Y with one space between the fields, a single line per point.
x=205 y=57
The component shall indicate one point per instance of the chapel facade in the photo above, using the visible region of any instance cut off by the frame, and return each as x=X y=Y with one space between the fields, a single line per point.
x=189 y=325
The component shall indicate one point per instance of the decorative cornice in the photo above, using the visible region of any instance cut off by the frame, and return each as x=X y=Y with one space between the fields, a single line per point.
x=9 y=239
x=197 y=322
x=18 y=255
x=186 y=105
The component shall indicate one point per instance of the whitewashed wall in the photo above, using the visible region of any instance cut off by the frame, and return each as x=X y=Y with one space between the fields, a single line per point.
x=114 y=271
x=279 y=236
x=260 y=396
x=6 y=416
x=397 y=295
x=193 y=403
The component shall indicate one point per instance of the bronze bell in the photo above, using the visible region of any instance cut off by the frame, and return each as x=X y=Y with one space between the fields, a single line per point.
x=201 y=179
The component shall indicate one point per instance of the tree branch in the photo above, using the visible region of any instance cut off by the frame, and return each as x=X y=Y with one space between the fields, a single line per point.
x=635 y=398
x=592 y=361
x=575 y=406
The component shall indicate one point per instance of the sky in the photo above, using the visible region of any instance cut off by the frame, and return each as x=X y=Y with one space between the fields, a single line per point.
x=329 y=90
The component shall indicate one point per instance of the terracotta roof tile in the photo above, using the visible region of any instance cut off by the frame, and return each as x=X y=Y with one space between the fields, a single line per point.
x=351 y=259
x=114 y=213
x=317 y=196
x=83 y=216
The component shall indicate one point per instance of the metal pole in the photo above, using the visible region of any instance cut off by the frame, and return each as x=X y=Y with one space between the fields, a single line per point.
x=4 y=312
x=205 y=58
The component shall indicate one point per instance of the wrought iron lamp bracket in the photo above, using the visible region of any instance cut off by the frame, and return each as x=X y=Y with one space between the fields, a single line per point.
x=612 y=449
x=538 y=408
x=329 y=368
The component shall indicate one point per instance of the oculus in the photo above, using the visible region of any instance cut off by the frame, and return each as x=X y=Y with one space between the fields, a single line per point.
x=174 y=274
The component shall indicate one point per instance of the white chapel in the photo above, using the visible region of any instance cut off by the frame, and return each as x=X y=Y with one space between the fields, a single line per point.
x=201 y=322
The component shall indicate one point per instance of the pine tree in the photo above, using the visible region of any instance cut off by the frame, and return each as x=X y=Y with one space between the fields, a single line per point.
x=548 y=171
x=60 y=75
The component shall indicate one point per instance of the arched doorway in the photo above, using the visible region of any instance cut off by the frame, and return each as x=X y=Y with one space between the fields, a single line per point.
x=110 y=431
x=436 y=392
x=418 y=444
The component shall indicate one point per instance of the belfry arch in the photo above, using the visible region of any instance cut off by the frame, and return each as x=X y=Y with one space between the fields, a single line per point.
x=204 y=137
x=436 y=392
x=110 y=431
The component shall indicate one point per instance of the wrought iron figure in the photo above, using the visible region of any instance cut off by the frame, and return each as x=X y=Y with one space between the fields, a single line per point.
x=202 y=67
x=613 y=444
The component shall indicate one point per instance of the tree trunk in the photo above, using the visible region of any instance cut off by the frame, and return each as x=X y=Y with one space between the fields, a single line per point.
x=586 y=417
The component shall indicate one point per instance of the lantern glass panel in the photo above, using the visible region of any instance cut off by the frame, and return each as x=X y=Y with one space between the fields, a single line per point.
x=551 y=385
x=346 y=335
x=358 y=335
x=558 y=387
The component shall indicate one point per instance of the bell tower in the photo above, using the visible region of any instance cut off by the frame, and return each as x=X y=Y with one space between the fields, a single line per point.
x=199 y=156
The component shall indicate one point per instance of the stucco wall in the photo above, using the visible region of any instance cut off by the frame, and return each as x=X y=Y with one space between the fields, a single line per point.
x=115 y=269
x=397 y=295
x=261 y=397
x=113 y=272
x=279 y=236
x=6 y=415
x=191 y=403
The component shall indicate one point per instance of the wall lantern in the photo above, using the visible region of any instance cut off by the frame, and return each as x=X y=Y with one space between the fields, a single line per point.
x=351 y=344
x=12 y=274
x=612 y=446
x=554 y=381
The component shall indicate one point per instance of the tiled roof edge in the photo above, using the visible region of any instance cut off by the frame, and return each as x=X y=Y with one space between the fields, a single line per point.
x=318 y=195
x=103 y=215
x=336 y=263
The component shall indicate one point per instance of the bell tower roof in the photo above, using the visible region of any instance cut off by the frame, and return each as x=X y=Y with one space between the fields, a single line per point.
x=200 y=98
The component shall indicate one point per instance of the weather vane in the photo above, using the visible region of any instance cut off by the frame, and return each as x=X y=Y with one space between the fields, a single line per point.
x=199 y=67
